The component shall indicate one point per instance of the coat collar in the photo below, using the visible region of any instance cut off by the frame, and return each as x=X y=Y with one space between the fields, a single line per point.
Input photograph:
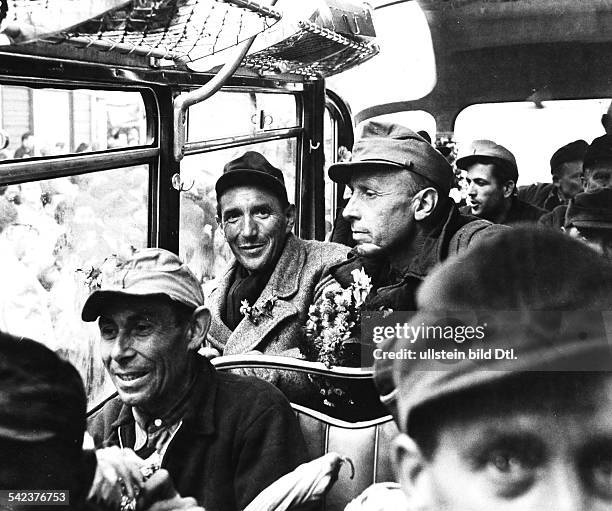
x=283 y=284
x=200 y=414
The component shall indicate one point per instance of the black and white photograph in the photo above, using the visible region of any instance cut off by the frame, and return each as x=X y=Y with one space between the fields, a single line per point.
x=306 y=255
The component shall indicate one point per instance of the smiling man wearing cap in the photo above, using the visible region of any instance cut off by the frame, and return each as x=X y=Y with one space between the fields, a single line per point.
x=401 y=216
x=223 y=438
x=530 y=432
x=492 y=174
x=272 y=270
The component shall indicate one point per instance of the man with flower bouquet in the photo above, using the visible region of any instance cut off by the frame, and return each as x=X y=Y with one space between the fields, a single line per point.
x=404 y=224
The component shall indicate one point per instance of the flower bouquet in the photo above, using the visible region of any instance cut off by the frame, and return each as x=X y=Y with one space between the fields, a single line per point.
x=332 y=331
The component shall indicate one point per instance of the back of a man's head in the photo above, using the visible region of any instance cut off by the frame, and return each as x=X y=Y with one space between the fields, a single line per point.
x=42 y=420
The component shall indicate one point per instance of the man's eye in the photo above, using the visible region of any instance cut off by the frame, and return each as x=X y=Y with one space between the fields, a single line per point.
x=143 y=328
x=263 y=213
x=231 y=218
x=108 y=331
x=511 y=471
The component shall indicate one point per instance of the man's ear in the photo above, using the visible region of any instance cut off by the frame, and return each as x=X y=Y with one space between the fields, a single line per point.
x=509 y=187
x=426 y=202
x=410 y=468
x=198 y=328
x=290 y=214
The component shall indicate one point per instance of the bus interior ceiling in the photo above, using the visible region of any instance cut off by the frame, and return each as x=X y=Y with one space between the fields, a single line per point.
x=508 y=50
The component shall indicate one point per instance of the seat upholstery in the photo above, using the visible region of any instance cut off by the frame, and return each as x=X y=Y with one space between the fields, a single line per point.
x=367 y=444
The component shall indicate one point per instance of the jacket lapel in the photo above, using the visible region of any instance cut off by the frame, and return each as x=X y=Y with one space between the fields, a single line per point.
x=218 y=331
x=283 y=284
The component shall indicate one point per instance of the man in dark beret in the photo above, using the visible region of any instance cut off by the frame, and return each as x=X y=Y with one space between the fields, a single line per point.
x=273 y=271
x=527 y=432
x=566 y=169
x=401 y=216
x=596 y=175
x=492 y=175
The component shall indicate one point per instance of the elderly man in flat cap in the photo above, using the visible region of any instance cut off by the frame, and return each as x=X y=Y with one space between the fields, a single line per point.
x=274 y=273
x=223 y=438
x=526 y=432
x=401 y=216
x=492 y=174
x=596 y=175
x=566 y=170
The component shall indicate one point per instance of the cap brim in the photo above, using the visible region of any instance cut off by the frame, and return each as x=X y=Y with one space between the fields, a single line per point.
x=583 y=356
x=249 y=177
x=98 y=299
x=342 y=172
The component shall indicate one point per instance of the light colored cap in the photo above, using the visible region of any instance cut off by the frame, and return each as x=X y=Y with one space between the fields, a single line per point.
x=150 y=271
x=484 y=150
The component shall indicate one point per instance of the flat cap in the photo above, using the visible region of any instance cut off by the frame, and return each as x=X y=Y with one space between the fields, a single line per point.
x=488 y=151
x=600 y=150
x=574 y=151
x=536 y=291
x=386 y=145
x=590 y=210
x=149 y=271
x=252 y=169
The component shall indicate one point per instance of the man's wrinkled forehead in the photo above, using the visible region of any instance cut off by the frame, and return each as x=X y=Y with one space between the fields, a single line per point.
x=153 y=307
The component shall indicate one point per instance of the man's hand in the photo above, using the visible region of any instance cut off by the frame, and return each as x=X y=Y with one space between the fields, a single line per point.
x=159 y=494
x=116 y=468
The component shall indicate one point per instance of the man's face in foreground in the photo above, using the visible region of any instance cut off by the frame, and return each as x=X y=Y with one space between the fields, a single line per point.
x=144 y=350
x=380 y=208
x=532 y=451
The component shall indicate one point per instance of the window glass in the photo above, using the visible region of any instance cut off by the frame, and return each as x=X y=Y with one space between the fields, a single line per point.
x=48 y=122
x=330 y=143
x=54 y=234
x=202 y=245
x=532 y=132
x=228 y=114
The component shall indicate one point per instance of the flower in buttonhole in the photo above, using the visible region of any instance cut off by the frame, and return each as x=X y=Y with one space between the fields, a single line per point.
x=362 y=284
x=245 y=308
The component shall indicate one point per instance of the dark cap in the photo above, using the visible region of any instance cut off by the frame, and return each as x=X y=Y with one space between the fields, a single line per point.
x=599 y=151
x=590 y=210
x=574 y=151
x=526 y=270
x=386 y=145
x=488 y=151
x=150 y=271
x=252 y=169
x=42 y=397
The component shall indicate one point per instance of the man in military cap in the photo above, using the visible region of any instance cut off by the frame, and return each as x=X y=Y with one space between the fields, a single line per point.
x=589 y=218
x=492 y=175
x=223 y=438
x=596 y=175
x=527 y=432
x=260 y=303
x=401 y=216
x=566 y=170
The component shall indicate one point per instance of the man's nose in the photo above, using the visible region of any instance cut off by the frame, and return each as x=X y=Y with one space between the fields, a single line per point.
x=471 y=190
x=122 y=347
x=351 y=211
x=566 y=490
x=249 y=226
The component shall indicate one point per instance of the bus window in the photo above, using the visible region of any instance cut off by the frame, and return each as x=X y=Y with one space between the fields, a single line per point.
x=202 y=244
x=228 y=114
x=54 y=235
x=533 y=132
x=49 y=122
